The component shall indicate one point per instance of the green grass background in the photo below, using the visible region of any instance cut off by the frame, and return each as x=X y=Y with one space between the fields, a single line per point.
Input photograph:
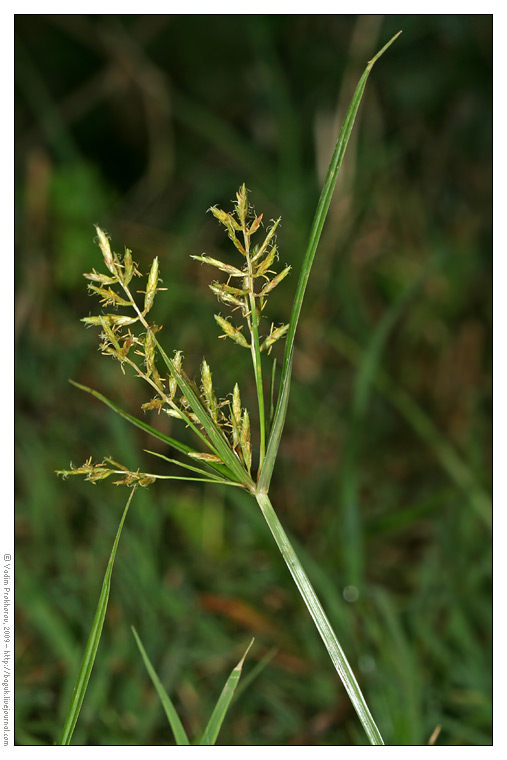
x=140 y=123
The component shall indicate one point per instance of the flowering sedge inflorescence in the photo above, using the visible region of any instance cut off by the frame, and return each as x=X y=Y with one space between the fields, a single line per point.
x=102 y=470
x=250 y=299
x=126 y=334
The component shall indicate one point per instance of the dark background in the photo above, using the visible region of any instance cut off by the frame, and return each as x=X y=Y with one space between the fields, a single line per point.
x=141 y=123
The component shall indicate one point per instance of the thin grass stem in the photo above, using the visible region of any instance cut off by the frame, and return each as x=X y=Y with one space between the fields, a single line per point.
x=182 y=464
x=256 y=355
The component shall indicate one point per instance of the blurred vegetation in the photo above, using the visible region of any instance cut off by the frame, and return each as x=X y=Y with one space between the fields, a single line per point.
x=140 y=123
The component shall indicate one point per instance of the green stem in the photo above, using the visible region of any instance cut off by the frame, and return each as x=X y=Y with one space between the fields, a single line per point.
x=321 y=622
x=256 y=350
x=256 y=359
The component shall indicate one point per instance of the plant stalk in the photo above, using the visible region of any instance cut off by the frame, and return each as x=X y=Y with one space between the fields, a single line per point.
x=256 y=358
x=320 y=619
x=256 y=351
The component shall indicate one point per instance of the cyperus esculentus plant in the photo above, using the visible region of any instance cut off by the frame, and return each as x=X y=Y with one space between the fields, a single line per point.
x=222 y=425
x=129 y=335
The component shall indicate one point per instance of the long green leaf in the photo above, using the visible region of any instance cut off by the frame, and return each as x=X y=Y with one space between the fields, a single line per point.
x=315 y=233
x=320 y=619
x=179 y=732
x=134 y=420
x=210 y=478
x=210 y=734
x=93 y=641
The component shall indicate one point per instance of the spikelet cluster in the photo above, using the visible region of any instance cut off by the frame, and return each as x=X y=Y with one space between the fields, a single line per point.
x=126 y=334
x=102 y=470
x=248 y=285
x=113 y=289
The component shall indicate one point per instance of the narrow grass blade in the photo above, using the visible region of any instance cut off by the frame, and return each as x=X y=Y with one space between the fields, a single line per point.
x=210 y=734
x=185 y=477
x=179 y=732
x=180 y=464
x=315 y=233
x=134 y=420
x=93 y=641
x=210 y=478
x=183 y=448
x=320 y=619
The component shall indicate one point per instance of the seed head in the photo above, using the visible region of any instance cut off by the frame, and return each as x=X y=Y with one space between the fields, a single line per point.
x=222 y=216
x=246 y=446
x=128 y=266
x=221 y=292
x=151 y=288
x=91 y=320
x=264 y=265
x=118 y=320
x=154 y=403
x=109 y=333
x=242 y=205
x=275 y=334
x=173 y=385
x=227 y=268
x=255 y=225
x=262 y=250
x=205 y=457
x=236 y=416
x=149 y=352
x=106 y=250
x=231 y=332
x=207 y=387
x=102 y=278
x=271 y=285
x=109 y=296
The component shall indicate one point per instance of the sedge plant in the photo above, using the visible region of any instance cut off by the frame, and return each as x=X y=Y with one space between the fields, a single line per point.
x=223 y=454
